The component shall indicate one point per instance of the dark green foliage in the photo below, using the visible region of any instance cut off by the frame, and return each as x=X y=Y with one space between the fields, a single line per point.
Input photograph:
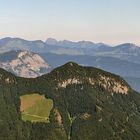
x=86 y=112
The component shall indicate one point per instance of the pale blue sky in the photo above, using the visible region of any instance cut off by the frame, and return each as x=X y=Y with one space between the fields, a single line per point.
x=109 y=21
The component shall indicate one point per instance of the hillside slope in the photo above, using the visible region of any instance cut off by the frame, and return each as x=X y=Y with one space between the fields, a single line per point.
x=89 y=104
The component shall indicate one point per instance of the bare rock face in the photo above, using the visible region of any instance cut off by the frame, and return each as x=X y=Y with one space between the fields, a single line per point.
x=27 y=64
x=94 y=77
x=117 y=87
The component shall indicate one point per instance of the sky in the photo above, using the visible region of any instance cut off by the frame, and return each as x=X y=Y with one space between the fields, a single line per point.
x=108 y=21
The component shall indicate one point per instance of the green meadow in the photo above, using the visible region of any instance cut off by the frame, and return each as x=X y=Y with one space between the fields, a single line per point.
x=35 y=108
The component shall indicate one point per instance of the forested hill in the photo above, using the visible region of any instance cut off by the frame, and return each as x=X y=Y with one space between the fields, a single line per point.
x=88 y=104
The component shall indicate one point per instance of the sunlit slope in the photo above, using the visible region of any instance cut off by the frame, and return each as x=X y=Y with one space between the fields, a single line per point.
x=35 y=108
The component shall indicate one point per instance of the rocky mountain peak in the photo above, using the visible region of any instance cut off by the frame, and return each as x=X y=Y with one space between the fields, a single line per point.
x=51 y=41
x=72 y=73
x=26 y=64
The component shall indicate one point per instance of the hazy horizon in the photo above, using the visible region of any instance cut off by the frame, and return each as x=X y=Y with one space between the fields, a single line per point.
x=111 y=45
x=108 y=21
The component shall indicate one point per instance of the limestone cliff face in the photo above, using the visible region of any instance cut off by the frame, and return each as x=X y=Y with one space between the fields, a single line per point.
x=95 y=77
x=26 y=64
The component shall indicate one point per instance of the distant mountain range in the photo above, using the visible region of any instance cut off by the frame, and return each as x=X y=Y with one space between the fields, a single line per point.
x=124 y=51
x=123 y=59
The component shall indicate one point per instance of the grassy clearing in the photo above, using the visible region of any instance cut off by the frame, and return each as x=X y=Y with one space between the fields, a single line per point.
x=35 y=108
x=34 y=118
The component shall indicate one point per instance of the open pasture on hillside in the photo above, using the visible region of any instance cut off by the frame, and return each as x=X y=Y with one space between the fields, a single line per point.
x=35 y=108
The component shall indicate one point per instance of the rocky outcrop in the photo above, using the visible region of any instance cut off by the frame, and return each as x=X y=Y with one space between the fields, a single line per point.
x=26 y=64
